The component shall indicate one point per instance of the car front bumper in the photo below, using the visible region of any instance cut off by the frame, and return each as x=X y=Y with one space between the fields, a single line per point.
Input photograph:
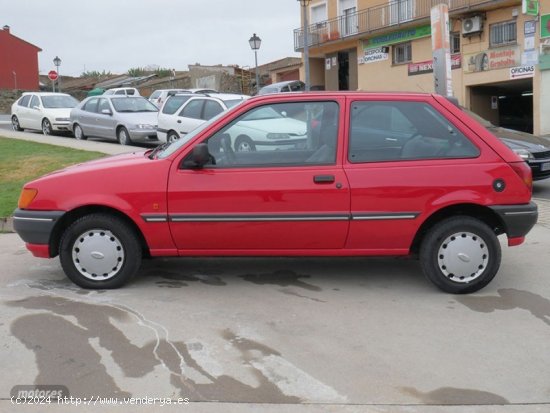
x=35 y=227
x=143 y=134
x=61 y=126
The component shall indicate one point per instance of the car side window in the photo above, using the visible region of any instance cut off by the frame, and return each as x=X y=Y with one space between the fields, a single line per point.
x=120 y=92
x=35 y=101
x=278 y=134
x=24 y=101
x=91 y=105
x=173 y=104
x=130 y=92
x=103 y=104
x=193 y=109
x=390 y=131
x=211 y=109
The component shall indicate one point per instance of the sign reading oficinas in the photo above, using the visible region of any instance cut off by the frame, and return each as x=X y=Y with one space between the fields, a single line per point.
x=492 y=60
x=374 y=55
x=398 y=37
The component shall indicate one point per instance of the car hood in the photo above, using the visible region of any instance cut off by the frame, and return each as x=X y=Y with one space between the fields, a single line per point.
x=58 y=112
x=520 y=140
x=135 y=118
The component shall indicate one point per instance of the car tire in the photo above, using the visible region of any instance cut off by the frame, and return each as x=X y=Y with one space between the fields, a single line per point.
x=123 y=136
x=15 y=124
x=460 y=255
x=172 y=137
x=100 y=251
x=78 y=132
x=47 y=127
x=244 y=144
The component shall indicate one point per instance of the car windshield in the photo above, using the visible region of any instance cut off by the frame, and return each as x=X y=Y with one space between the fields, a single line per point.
x=266 y=112
x=131 y=105
x=58 y=102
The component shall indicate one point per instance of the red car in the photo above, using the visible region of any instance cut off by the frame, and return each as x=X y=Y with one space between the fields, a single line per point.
x=374 y=174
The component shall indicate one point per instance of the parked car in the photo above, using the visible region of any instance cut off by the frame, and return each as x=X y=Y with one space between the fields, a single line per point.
x=159 y=96
x=200 y=91
x=282 y=87
x=126 y=119
x=184 y=112
x=125 y=91
x=532 y=149
x=45 y=111
x=428 y=181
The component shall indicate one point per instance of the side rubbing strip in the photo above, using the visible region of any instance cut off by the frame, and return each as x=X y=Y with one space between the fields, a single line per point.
x=258 y=218
x=155 y=218
x=383 y=216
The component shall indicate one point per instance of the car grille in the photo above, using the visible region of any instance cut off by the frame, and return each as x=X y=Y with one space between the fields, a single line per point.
x=541 y=155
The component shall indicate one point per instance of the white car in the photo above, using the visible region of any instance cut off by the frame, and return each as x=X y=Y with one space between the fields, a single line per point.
x=184 y=112
x=45 y=111
x=123 y=91
x=159 y=96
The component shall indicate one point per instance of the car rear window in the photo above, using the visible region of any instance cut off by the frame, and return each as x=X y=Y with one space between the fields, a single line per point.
x=155 y=94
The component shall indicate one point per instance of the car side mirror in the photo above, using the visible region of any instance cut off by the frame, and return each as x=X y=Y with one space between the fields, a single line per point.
x=106 y=112
x=200 y=156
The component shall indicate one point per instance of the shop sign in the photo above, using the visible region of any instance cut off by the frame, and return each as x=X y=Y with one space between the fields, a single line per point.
x=398 y=37
x=522 y=72
x=530 y=7
x=492 y=59
x=530 y=58
x=427 y=66
x=375 y=55
x=545 y=26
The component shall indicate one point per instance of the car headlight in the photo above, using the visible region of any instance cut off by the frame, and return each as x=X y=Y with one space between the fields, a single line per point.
x=523 y=154
x=145 y=126
x=62 y=119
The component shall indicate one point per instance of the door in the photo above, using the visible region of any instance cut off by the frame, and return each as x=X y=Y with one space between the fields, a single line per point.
x=190 y=116
x=35 y=113
x=23 y=111
x=289 y=193
x=86 y=117
x=105 y=123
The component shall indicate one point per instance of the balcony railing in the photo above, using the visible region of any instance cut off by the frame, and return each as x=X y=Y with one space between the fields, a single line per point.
x=375 y=18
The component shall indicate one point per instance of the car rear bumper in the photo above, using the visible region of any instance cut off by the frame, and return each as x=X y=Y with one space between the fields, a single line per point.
x=518 y=219
x=35 y=227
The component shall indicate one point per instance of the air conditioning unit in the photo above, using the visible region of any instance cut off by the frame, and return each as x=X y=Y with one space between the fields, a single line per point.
x=472 y=25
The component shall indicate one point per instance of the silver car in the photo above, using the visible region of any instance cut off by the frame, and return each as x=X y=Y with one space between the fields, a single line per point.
x=126 y=119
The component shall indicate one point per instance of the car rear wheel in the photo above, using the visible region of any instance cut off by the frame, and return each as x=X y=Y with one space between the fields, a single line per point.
x=123 y=136
x=78 y=132
x=172 y=137
x=460 y=255
x=15 y=124
x=100 y=251
x=244 y=144
x=46 y=127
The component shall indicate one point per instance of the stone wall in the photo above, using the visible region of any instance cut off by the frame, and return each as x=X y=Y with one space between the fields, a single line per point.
x=7 y=97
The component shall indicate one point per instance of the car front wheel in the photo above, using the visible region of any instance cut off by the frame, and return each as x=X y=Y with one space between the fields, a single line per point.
x=15 y=124
x=100 y=251
x=460 y=255
x=244 y=144
x=46 y=127
x=172 y=137
x=123 y=136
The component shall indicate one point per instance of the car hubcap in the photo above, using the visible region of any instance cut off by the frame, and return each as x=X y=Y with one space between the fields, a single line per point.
x=463 y=257
x=123 y=137
x=15 y=123
x=98 y=255
x=172 y=138
x=78 y=132
x=244 y=147
x=46 y=128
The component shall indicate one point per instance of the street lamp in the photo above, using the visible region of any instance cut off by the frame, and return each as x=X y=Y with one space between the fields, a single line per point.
x=304 y=4
x=255 y=43
x=14 y=79
x=57 y=63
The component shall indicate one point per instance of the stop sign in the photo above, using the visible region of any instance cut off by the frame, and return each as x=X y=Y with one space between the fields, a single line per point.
x=52 y=75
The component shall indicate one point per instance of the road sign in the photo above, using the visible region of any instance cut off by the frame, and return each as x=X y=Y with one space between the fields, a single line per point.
x=52 y=75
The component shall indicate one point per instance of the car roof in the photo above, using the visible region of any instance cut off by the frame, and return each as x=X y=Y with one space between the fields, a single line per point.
x=45 y=94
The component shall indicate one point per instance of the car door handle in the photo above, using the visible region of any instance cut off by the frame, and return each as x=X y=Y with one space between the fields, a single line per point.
x=323 y=179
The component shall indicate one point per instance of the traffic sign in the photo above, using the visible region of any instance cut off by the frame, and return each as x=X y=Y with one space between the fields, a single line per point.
x=52 y=75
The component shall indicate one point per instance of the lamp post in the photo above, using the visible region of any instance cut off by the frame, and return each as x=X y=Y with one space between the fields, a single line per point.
x=14 y=79
x=57 y=63
x=255 y=43
x=304 y=4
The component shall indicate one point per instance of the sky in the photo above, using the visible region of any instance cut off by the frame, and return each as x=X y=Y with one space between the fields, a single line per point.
x=117 y=35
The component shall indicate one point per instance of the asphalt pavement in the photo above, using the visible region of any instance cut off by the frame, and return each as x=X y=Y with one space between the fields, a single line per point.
x=277 y=334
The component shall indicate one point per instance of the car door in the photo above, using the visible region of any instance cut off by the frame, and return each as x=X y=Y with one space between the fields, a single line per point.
x=87 y=117
x=190 y=116
x=35 y=113
x=23 y=111
x=105 y=122
x=265 y=201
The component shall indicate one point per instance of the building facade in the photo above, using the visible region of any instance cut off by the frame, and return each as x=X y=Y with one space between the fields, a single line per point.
x=500 y=53
x=18 y=62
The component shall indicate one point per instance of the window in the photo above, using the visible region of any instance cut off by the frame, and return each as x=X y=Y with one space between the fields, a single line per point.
x=120 y=92
x=401 y=10
x=281 y=134
x=174 y=103
x=24 y=101
x=91 y=105
x=402 y=53
x=503 y=33
x=155 y=94
x=35 y=102
x=103 y=105
x=318 y=13
x=455 y=42
x=348 y=22
x=390 y=131
x=211 y=109
x=193 y=109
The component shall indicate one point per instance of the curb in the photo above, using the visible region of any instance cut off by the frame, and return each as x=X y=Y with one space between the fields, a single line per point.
x=6 y=224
